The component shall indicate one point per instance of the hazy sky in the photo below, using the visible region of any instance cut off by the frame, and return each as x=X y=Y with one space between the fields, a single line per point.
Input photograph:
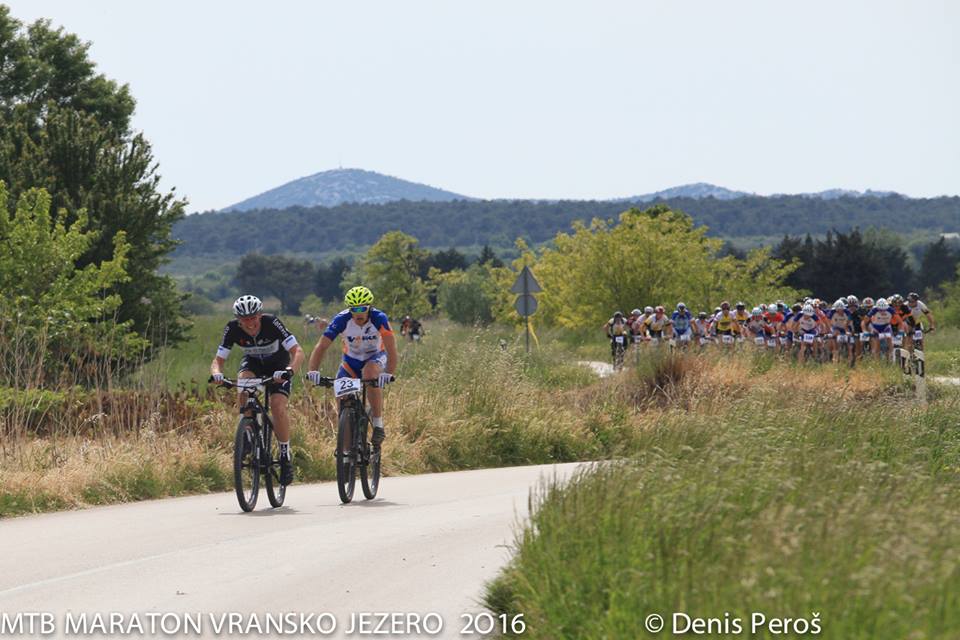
x=544 y=99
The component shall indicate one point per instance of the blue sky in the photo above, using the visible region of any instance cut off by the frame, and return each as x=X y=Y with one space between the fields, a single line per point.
x=536 y=99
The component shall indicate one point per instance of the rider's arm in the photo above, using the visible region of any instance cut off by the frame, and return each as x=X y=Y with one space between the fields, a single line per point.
x=929 y=315
x=319 y=350
x=216 y=366
x=297 y=354
x=390 y=344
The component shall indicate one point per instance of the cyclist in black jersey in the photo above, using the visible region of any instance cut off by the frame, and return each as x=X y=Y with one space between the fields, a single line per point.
x=268 y=348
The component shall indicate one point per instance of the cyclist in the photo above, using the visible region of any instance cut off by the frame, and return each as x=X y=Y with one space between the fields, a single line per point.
x=635 y=322
x=880 y=320
x=741 y=316
x=806 y=330
x=754 y=328
x=614 y=328
x=681 y=322
x=369 y=350
x=723 y=323
x=701 y=328
x=841 y=327
x=657 y=324
x=411 y=329
x=267 y=351
x=914 y=313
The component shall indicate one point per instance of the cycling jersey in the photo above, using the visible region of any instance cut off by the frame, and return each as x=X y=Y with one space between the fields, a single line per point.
x=657 y=323
x=839 y=319
x=617 y=327
x=755 y=327
x=880 y=319
x=742 y=317
x=360 y=342
x=723 y=323
x=917 y=311
x=681 y=321
x=263 y=348
x=807 y=324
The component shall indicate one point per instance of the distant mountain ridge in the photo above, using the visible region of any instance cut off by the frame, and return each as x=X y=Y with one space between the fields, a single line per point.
x=357 y=186
x=340 y=186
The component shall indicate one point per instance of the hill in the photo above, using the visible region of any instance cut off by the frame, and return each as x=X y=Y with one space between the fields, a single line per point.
x=339 y=186
x=317 y=230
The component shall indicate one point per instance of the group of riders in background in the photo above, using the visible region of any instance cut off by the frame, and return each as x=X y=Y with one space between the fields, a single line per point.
x=847 y=330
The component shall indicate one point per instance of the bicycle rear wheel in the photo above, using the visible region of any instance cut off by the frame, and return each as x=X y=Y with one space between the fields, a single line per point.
x=369 y=472
x=246 y=467
x=276 y=492
x=346 y=459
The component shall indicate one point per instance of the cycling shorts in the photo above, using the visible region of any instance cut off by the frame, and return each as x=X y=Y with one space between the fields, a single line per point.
x=353 y=368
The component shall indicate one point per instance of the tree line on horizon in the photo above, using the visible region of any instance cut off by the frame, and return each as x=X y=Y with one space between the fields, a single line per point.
x=498 y=223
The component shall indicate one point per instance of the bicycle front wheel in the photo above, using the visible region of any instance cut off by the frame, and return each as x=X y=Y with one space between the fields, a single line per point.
x=346 y=458
x=246 y=467
x=276 y=491
x=370 y=470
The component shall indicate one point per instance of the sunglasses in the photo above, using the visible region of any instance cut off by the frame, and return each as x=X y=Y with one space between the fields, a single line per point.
x=362 y=309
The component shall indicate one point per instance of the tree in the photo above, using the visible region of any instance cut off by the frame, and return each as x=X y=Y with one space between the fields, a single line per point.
x=467 y=296
x=489 y=257
x=58 y=315
x=329 y=276
x=655 y=256
x=67 y=129
x=391 y=270
x=287 y=279
x=443 y=261
x=938 y=266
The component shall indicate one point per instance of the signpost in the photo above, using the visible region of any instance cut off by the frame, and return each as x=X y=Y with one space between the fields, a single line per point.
x=526 y=304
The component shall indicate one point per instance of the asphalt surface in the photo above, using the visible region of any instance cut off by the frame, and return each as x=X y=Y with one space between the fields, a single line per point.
x=427 y=544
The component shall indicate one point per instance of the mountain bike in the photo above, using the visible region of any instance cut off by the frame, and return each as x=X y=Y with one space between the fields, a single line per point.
x=354 y=451
x=256 y=452
x=917 y=361
x=619 y=347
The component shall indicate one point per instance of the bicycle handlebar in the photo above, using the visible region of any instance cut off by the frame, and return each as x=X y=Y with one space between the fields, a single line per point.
x=252 y=382
x=369 y=382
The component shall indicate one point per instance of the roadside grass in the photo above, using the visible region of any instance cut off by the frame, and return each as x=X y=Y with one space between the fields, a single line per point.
x=792 y=492
x=943 y=352
x=465 y=398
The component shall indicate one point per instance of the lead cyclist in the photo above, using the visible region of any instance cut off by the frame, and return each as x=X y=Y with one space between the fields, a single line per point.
x=369 y=350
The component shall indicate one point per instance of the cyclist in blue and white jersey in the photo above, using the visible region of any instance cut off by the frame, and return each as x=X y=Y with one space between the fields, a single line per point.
x=841 y=327
x=880 y=319
x=806 y=330
x=681 y=321
x=267 y=348
x=369 y=350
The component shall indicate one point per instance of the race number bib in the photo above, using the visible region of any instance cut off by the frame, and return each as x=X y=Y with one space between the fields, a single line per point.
x=703 y=341
x=864 y=337
x=654 y=340
x=684 y=337
x=808 y=338
x=772 y=342
x=918 y=334
x=758 y=340
x=727 y=339
x=619 y=339
x=897 y=340
x=346 y=386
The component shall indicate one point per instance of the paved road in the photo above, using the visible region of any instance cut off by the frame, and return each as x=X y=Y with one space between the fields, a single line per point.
x=427 y=544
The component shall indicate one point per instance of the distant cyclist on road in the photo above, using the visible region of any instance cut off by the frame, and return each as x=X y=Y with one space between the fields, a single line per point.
x=369 y=350
x=267 y=350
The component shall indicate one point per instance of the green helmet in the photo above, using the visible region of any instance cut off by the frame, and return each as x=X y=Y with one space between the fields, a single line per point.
x=358 y=296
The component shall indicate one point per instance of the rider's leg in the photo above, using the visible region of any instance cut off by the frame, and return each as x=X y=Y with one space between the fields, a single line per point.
x=281 y=427
x=242 y=395
x=371 y=370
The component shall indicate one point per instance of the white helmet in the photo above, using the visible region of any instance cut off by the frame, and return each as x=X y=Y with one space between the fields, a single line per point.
x=681 y=306
x=808 y=310
x=756 y=311
x=882 y=304
x=648 y=309
x=247 y=306
x=762 y=308
x=839 y=304
x=635 y=312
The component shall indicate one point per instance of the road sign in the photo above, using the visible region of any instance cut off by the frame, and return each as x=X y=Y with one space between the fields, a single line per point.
x=526 y=305
x=526 y=283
